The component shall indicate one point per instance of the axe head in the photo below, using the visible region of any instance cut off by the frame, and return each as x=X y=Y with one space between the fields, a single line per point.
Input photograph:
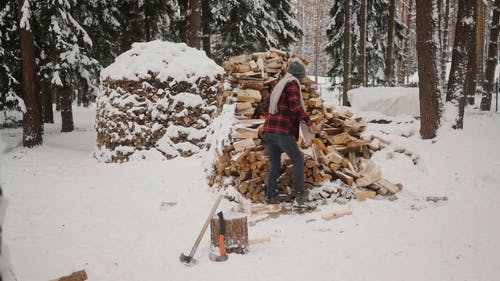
x=216 y=258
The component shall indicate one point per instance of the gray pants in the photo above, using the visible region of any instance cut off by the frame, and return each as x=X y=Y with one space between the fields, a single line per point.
x=278 y=143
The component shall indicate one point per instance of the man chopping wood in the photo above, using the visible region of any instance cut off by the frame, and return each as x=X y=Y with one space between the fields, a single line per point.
x=281 y=131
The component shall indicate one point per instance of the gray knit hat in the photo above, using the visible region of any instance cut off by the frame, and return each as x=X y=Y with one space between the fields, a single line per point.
x=297 y=69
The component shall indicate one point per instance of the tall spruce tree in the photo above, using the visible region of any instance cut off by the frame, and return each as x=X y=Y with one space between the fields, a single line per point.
x=250 y=26
x=427 y=50
x=139 y=21
x=462 y=59
x=492 y=59
x=100 y=19
x=10 y=57
x=32 y=115
x=376 y=36
x=64 y=58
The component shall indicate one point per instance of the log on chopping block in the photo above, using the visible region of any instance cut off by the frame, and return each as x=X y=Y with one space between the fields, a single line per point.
x=75 y=276
x=336 y=214
x=236 y=236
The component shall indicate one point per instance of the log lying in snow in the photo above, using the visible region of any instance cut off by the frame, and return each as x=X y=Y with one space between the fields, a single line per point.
x=336 y=214
x=75 y=276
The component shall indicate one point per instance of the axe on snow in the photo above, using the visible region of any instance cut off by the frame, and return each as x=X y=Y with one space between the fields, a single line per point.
x=222 y=245
x=189 y=260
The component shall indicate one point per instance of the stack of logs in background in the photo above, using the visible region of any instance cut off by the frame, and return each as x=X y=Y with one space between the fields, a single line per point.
x=338 y=154
x=133 y=115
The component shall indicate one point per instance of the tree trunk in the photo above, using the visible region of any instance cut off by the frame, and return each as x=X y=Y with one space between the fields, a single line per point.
x=206 y=27
x=389 y=58
x=362 y=45
x=480 y=40
x=492 y=59
x=347 y=51
x=408 y=50
x=195 y=24
x=427 y=68
x=32 y=117
x=404 y=18
x=316 y=40
x=462 y=58
x=66 y=109
x=471 y=77
x=445 y=47
x=48 y=113
x=147 y=23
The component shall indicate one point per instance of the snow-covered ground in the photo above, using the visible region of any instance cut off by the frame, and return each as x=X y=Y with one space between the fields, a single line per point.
x=131 y=221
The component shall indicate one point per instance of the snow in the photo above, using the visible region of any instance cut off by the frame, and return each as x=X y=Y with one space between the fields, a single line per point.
x=166 y=59
x=414 y=77
x=131 y=221
x=392 y=101
x=26 y=15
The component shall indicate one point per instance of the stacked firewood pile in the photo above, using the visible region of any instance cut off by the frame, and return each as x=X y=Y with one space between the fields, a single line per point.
x=338 y=154
x=170 y=117
x=156 y=101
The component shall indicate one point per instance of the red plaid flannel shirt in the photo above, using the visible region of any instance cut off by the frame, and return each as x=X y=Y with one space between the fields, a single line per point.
x=289 y=114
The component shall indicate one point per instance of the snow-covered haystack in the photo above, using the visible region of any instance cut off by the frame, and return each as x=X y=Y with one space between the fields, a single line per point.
x=156 y=101
x=337 y=164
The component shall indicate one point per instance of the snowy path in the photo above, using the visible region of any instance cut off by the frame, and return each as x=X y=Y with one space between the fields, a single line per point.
x=67 y=212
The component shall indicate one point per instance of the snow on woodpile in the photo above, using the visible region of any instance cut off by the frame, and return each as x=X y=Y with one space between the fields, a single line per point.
x=156 y=101
x=337 y=165
x=391 y=101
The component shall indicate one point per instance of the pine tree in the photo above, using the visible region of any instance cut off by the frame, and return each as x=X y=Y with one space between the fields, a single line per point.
x=346 y=53
x=100 y=19
x=64 y=56
x=10 y=57
x=462 y=58
x=139 y=21
x=195 y=23
x=250 y=26
x=427 y=49
x=32 y=115
x=376 y=39
x=389 y=59
x=492 y=59
x=308 y=20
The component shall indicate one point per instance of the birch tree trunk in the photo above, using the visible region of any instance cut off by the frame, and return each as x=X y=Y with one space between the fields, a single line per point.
x=492 y=59
x=427 y=48
x=445 y=47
